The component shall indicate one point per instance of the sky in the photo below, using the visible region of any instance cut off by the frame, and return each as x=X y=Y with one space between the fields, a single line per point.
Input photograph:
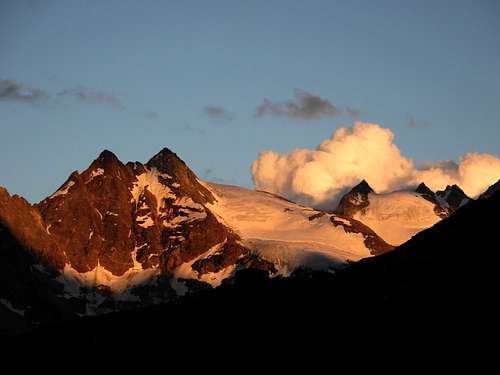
x=220 y=82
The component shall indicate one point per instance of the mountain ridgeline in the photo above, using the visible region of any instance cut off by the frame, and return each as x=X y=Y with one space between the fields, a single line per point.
x=117 y=236
x=120 y=236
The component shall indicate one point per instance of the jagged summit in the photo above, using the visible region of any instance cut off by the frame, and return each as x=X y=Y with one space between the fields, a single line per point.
x=453 y=197
x=107 y=156
x=107 y=161
x=169 y=163
x=424 y=190
x=356 y=199
x=452 y=189
x=165 y=159
x=363 y=187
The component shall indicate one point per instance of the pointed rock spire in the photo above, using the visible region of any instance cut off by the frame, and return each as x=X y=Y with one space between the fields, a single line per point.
x=453 y=196
x=106 y=157
x=355 y=200
x=167 y=162
x=107 y=161
x=424 y=190
x=363 y=187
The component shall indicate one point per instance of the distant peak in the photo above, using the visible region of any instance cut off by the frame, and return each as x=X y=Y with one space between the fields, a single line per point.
x=454 y=189
x=454 y=196
x=165 y=159
x=107 y=155
x=424 y=189
x=363 y=187
x=165 y=150
x=168 y=162
x=106 y=160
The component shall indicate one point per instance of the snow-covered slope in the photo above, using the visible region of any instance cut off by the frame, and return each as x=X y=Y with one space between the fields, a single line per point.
x=285 y=233
x=398 y=216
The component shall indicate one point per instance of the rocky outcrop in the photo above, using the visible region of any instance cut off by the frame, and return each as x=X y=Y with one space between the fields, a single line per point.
x=356 y=200
x=169 y=163
x=429 y=195
x=230 y=254
x=452 y=197
x=30 y=260
x=372 y=241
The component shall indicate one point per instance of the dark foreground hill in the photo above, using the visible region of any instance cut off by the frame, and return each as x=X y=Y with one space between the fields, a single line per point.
x=439 y=287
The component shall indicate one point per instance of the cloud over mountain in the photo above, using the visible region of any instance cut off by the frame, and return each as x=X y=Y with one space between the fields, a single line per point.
x=364 y=151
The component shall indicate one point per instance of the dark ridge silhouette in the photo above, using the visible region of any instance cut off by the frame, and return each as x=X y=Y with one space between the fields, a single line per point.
x=433 y=290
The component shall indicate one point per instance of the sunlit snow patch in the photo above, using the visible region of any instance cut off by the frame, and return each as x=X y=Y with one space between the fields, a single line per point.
x=398 y=216
x=63 y=191
x=74 y=280
x=150 y=180
x=282 y=232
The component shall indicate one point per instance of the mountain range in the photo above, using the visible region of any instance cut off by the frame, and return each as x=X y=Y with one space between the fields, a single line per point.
x=121 y=236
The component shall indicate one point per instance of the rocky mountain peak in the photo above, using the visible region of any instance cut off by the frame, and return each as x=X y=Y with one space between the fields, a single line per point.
x=166 y=161
x=424 y=190
x=355 y=200
x=107 y=156
x=107 y=161
x=169 y=163
x=453 y=197
x=363 y=187
x=440 y=208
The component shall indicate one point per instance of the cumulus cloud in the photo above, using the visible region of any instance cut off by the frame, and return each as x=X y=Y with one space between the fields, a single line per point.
x=304 y=106
x=93 y=97
x=366 y=151
x=217 y=113
x=14 y=91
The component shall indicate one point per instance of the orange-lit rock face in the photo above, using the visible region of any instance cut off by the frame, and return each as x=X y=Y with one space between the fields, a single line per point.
x=102 y=215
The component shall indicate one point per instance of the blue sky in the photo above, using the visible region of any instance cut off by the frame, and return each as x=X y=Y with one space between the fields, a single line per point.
x=134 y=77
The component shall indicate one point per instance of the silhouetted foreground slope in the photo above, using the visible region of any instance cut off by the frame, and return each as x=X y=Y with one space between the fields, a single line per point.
x=440 y=285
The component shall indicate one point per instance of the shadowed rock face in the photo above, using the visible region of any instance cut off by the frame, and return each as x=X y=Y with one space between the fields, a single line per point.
x=354 y=201
x=491 y=190
x=453 y=196
x=24 y=225
x=372 y=241
x=30 y=260
x=423 y=189
x=429 y=195
x=228 y=255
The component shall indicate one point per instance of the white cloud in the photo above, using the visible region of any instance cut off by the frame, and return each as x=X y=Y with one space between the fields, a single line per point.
x=366 y=151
